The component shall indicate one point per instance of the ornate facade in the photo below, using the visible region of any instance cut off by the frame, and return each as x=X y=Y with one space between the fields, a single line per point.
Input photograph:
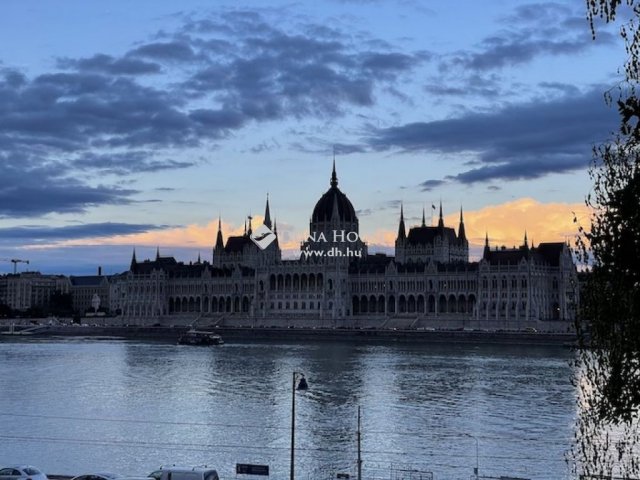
x=430 y=281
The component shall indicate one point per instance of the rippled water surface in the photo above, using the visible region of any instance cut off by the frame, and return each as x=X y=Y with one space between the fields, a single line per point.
x=77 y=406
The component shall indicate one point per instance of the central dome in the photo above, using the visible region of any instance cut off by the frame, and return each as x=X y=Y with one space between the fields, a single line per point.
x=324 y=208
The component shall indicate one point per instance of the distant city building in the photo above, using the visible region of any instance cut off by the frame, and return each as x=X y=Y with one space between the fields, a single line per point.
x=26 y=290
x=430 y=280
x=83 y=289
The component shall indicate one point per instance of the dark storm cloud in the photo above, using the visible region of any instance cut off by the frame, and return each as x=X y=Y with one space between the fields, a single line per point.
x=39 y=234
x=518 y=141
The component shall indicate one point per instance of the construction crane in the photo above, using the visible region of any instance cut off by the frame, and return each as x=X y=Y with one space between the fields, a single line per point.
x=15 y=262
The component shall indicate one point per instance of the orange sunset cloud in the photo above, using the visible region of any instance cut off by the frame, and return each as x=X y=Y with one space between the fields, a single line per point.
x=505 y=223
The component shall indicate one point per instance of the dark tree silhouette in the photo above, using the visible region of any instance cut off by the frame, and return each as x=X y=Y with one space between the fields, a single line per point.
x=607 y=437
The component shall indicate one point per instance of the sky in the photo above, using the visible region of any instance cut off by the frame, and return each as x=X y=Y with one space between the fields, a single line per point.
x=138 y=124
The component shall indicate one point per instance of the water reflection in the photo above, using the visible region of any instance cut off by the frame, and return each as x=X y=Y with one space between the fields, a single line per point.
x=131 y=406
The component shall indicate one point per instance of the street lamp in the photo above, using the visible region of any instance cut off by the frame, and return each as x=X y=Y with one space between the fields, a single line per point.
x=301 y=385
x=475 y=470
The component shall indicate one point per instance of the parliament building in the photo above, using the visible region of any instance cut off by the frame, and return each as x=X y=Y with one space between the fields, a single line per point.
x=335 y=283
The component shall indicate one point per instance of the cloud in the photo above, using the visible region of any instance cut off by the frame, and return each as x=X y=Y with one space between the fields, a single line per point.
x=507 y=222
x=530 y=31
x=33 y=187
x=101 y=63
x=429 y=185
x=101 y=114
x=165 y=51
x=266 y=73
x=37 y=234
x=127 y=163
x=526 y=140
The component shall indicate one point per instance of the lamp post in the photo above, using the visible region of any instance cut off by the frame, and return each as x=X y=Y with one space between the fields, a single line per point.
x=475 y=470
x=302 y=385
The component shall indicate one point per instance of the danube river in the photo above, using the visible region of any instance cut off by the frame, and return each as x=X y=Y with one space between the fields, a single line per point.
x=73 y=406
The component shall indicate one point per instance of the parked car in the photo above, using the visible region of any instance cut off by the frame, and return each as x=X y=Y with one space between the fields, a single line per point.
x=98 y=476
x=185 y=473
x=21 y=472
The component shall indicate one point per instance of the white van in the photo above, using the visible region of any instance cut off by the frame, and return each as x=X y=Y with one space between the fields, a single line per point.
x=185 y=473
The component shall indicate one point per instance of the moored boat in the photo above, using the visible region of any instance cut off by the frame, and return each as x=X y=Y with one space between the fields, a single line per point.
x=200 y=338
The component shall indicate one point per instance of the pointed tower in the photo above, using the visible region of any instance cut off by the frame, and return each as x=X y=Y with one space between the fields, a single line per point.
x=525 y=245
x=462 y=236
x=134 y=262
x=219 y=239
x=157 y=253
x=402 y=233
x=250 y=231
x=440 y=219
x=267 y=215
x=334 y=177
x=423 y=219
x=245 y=227
x=199 y=261
x=487 y=249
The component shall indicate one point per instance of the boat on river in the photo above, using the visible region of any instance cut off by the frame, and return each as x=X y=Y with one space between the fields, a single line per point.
x=200 y=338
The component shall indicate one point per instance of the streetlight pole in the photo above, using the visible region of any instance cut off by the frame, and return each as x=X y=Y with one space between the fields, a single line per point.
x=359 y=448
x=293 y=424
x=293 y=419
x=475 y=471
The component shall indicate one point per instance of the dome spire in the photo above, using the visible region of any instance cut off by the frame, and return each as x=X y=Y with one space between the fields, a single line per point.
x=334 y=177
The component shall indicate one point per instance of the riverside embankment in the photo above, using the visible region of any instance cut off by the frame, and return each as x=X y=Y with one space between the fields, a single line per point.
x=299 y=334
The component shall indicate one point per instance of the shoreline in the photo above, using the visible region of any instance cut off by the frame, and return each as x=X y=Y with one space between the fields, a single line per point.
x=301 y=334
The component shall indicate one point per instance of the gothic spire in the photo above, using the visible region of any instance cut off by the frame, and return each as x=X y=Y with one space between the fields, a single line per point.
x=275 y=232
x=219 y=240
x=440 y=219
x=250 y=231
x=133 y=260
x=461 y=233
x=423 y=219
x=158 y=253
x=526 y=242
x=487 y=249
x=402 y=234
x=267 y=215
